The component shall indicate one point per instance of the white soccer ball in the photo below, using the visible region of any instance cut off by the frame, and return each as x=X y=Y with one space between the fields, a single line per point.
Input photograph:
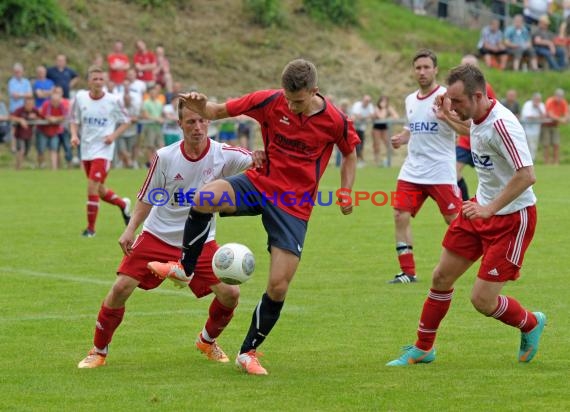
x=233 y=263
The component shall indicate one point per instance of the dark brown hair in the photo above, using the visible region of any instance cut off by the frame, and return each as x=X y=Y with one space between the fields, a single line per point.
x=299 y=75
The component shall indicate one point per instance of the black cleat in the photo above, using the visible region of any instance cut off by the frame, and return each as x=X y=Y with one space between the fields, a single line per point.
x=404 y=278
x=88 y=233
x=126 y=212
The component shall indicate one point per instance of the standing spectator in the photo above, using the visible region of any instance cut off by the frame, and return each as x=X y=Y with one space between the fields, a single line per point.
x=23 y=131
x=47 y=136
x=519 y=43
x=442 y=9
x=535 y=9
x=491 y=45
x=94 y=117
x=62 y=75
x=145 y=64
x=533 y=113
x=127 y=141
x=543 y=40
x=557 y=114
x=510 y=102
x=42 y=86
x=4 y=122
x=118 y=63
x=362 y=113
x=419 y=7
x=65 y=137
x=382 y=112
x=177 y=88
x=162 y=71
x=245 y=132
x=429 y=168
x=497 y=226
x=152 y=111
x=19 y=88
x=171 y=131
x=134 y=84
x=499 y=10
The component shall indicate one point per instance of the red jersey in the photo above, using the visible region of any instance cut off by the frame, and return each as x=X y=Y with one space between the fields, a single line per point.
x=145 y=58
x=48 y=110
x=19 y=131
x=117 y=76
x=297 y=147
x=463 y=141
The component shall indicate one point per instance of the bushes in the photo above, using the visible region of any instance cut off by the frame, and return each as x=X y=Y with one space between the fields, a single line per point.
x=266 y=13
x=24 y=18
x=338 y=12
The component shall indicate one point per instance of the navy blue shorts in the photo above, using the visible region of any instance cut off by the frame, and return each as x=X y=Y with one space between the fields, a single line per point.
x=464 y=156
x=284 y=231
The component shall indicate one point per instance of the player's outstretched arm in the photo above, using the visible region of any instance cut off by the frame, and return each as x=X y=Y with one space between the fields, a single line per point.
x=138 y=216
x=198 y=103
x=347 y=177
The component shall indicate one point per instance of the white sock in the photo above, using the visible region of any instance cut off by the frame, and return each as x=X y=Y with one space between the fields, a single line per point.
x=205 y=337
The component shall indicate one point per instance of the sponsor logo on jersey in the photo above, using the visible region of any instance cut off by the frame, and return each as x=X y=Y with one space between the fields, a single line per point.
x=424 y=127
x=95 y=121
x=482 y=161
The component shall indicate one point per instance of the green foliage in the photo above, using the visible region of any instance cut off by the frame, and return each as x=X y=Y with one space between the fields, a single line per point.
x=338 y=12
x=154 y=4
x=41 y=17
x=265 y=13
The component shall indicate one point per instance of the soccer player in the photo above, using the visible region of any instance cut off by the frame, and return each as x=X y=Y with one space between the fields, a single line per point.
x=299 y=128
x=429 y=168
x=163 y=204
x=95 y=115
x=497 y=224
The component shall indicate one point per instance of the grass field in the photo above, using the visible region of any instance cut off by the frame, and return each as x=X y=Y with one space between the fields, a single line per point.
x=341 y=322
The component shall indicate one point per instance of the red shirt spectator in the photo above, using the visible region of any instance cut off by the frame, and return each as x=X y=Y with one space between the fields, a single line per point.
x=145 y=63
x=118 y=64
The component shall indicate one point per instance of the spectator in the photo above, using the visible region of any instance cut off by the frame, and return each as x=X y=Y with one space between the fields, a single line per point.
x=419 y=7
x=152 y=111
x=491 y=45
x=362 y=113
x=19 y=88
x=557 y=114
x=442 y=9
x=519 y=43
x=47 y=137
x=382 y=112
x=127 y=141
x=42 y=86
x=4 y=122
x=543 y=40
x=499 y=10
x=535 y=9
x=510 y=102
x=65 y=137
x=118 y=63
x=23 y=131
x=177 y=88
x=162 y=70
x=563 y=38
x=170 y=129
x=245 y=132
x=62 y=75
x=145 y=64
x=533 y=113
x=134 y=84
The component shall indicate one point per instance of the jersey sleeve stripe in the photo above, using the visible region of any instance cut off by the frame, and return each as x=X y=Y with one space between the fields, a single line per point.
x=148 y=179
x=236 y=149
x=509 y=144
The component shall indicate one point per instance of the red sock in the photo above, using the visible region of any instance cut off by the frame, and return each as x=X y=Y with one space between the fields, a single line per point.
x=434 y=310
x=218 y=319
x=92 y=209
x=111 y=197
x=511 y=312
x=107 y=321
x=407 y=263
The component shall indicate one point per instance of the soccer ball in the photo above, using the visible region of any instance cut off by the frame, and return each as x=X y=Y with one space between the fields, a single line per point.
x=233 y=263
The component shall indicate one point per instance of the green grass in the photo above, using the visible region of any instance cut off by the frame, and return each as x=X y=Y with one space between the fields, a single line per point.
x=341 y=322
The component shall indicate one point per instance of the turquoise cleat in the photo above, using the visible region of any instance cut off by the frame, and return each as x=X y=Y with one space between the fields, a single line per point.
x=530 y=340
x=413 y=355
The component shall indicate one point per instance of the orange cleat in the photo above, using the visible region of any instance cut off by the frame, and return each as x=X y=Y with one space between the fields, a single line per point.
x=212 y=351
x=170 y=270
x=93 y=360
x=249 y=363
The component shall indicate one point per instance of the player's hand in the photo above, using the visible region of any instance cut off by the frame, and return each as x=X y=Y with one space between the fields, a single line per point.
x=126 y=241
x=194 y=101
x=109 y=139
x=472 y=210
x=345 y=202
x=74 y=141
x=442 y=107
x=396 y=141
x=258 y=158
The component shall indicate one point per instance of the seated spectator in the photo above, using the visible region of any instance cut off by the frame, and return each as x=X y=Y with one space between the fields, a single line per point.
x=519 y=43
x=510 y=102
x=563 y=39
x=533 y=113
x=543 y=40
x=491 y=45
x=23 y=131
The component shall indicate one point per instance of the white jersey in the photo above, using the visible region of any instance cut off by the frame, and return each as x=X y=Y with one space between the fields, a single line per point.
x=98 y=119
x=499 y=148
x=172 y=180
x=431 y=148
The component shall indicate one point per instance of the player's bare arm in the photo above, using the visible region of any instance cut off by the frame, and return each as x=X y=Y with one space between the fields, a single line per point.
x=347 y=176
x=400 y=139
x=117 y=133
x=521 y=180
x=198 y=102
x=73 y=127
x=257 y=158
x=138 y=216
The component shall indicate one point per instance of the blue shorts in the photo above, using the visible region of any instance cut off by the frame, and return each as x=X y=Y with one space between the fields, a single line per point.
x=283 y=230
x=464 y=156
x=44 y=142
x=225 y=136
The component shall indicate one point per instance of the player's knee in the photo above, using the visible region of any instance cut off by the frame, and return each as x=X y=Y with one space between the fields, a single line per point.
x=483 y=304
x=228 y=295
x=277 y=290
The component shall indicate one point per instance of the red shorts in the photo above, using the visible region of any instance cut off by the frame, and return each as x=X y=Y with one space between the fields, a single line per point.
x=502 y=240
x=97 y=169
x=148 y=248
x=411 y=196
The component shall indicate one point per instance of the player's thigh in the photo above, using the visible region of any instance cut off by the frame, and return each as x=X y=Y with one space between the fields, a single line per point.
x=408 y=197
x=215 y=196
x=122 y=288
x=450 y=268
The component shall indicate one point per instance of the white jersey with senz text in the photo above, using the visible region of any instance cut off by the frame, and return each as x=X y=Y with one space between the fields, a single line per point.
x=173 y=179
x=431 y=148
x=499 y=148
x=98 y=118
